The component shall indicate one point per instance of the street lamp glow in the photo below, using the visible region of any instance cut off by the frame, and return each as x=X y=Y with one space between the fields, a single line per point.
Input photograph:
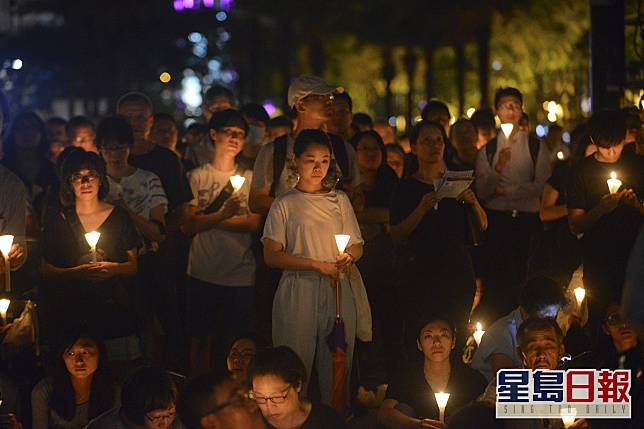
x=441 y=400
x=341 y=240
x=470 y=112
x=237 y=181
x=507 y=129
x=165 y=77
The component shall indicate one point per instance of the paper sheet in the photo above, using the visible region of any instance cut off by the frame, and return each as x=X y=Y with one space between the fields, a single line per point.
x=453 y=183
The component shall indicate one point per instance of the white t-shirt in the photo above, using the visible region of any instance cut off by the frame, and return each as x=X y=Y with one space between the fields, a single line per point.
x=306 y=224
x=217 y=256
x=141 y=191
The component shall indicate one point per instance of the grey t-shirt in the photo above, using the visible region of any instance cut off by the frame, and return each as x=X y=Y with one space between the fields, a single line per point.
x=43 y=417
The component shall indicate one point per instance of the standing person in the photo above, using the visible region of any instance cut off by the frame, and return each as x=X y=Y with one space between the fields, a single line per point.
x=299 y=239
x=483 y=120
x=164 y=132
x=13 y=206
x=609 y=222
x=435 y=269
x=278 y=127
x=93 y=288
x=339 y=123
x=82 y=133
x=437 y=111
x=57 y=136
x=258 y=120
x=463 y=137
x=221 y=266
x=396 y=159
x=510 y=175
x=79 y=389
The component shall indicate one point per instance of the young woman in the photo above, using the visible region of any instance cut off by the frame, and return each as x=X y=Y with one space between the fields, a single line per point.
x=84 y=286
x=434 y=264
x=80 y=388
x=299 y=239
x=410 y=400
x=278 y=377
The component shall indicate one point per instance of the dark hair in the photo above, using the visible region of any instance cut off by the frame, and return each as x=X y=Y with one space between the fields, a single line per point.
x=134 y=97
x=344 y=96
x=114 y=129
x=395 y=148
x=4 y=110
x=362 y=119
x=538 y=324
x=75 y=162
x=607 y=128
x=385 y=176
x=579 y=141
x=425 y=319
x=218 y=91
x=146 y=390
x=56 y=120
x=280 y=121
x=196 y=398
x=507 y=91
x=9 y=146
x=258 y=341
x=483 y=119
x=458 y=127
x=102 y=390
x=632 y=117
x=282 y=362
x=255 y=112
x=197 y=128
x=540 y=292
x=415 y=132
x=227 y=118
x=78 y=122
x=158 y=117
x=433 y=106
x=311 y=137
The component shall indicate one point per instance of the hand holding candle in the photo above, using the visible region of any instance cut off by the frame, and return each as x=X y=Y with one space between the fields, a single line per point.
x=613 y=183
x=478 y=334
x=580 y=294
x=4 y=306
x=341 y=241
x=92 y=240
x=6 y=241
x=441 y=400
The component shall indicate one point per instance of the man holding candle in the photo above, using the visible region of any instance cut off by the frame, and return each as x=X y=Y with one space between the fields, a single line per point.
x=221 y=266
x=12 y=219
x=608 y=221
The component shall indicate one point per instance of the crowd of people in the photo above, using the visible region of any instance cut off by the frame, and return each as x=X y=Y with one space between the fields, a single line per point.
x=217 y=295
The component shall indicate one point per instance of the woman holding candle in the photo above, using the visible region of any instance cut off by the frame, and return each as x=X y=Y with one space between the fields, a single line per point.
x=411 y=399
x=299 y=239
x=78 y=290
x=609 y=222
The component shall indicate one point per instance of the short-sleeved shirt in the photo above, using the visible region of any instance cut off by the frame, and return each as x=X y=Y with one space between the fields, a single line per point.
x=167 y=166
x=501 y=338
x=306 y=224
x=321 y=417
x=263 y=170
x=217 y=256
x=141 y=191
x=13 y=205
x=559 y=181
x=44 y=417
x=410 y=388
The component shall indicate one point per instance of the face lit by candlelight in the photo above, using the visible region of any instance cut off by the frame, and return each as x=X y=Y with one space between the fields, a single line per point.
x=609 y=154
x=230 y=140
x=278 y=400
x=115 y=154
x=86 y=184
x=509 y=110
x=313 y=164
x=81 y=359
x=541 y=349
x=240 y=358
x=436 y=341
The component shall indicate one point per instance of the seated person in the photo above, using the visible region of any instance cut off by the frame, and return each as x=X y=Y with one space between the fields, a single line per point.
x=277 y=378
x=79 y=389
x=240 y=357
x=541 y=297
x=148 y=400
x=410 y=400
x=216 y=401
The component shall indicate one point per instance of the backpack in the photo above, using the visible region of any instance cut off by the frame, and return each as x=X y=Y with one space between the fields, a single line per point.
x=279 y=158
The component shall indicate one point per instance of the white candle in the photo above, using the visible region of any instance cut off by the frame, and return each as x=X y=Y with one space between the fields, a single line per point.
x=613 y=183
x=441 y=400
x=4 y=306
x=568 y=416
x=92 y=239
x=580 y=293
x=507 y=129
x=342 y=240
x=237 y=181
x=478 y=334
x=560 y=155
x=6 y=241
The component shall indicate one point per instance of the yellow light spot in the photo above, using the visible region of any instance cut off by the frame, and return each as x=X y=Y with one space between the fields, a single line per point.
x=165 y=77
x=401 y=123
x=470 y=112
x=552 y=117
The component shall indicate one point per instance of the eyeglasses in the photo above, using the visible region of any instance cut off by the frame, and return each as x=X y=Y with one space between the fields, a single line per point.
x=233 y=134
x=277 y=399
x=78 y=179
x=615 y=320
x=162 y=418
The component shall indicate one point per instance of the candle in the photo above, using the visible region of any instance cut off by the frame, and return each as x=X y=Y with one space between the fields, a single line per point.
x=6 y=241
x=441 y=400
x=580 y=293
x=92 y=239
x=568 y=416
x=507 y=129
x=237 y=181
x=560 y=155
x=613 y=183
x=478 y=334
x=4 y=306
x=341 y=240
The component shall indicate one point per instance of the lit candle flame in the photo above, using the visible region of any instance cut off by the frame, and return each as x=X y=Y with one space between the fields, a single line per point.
x=613 y=183
x=580 y=293
x=560 y=155
x=613 y=175
x=341 y=240
x=441 y=400
x=237 y=181
x=4 y=306
x=92 y=238
x=507 y=129
x=478 y=334
x=568 y=416
x=6 y=241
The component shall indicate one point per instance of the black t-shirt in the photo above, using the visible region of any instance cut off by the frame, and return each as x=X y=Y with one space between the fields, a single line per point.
x=559 y=181
x=438 y=228
x=381 y=195
x=166 y=164
x=322 y=417
x=410 y=388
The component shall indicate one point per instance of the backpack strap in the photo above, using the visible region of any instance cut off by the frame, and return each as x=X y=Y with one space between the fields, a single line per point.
x=340 y=154
x=490 y=150
x=279 y=160
x=70 y=216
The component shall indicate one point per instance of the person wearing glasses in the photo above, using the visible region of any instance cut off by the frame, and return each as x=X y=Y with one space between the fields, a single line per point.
x=84 y=285
x=148 y=401
x=240 y=357
x=277 y=378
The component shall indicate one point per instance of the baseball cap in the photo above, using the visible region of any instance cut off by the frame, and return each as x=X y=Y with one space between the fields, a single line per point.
x=305 y=85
